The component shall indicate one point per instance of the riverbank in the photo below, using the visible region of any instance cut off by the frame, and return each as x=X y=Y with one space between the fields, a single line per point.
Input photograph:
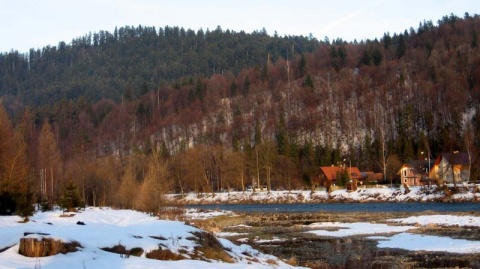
x=361 y=195
x=330 y=240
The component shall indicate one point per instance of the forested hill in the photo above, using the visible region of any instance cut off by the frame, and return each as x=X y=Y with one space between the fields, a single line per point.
x=134 y=60
x=206 y=111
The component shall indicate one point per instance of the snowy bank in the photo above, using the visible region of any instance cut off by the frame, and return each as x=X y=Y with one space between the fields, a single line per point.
x=415 y=194
x=106 y=227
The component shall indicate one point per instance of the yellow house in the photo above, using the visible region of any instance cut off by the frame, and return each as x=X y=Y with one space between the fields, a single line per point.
x=409 y=175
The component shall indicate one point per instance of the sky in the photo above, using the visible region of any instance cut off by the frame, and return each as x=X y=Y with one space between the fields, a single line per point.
x=26 y=24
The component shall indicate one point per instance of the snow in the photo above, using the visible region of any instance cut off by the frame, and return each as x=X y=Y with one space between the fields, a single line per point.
x=401 y=238
x=349 y=229
x=105 y=227
x=445 y=220
x=363 y=194
x=193 y=213
x=417 y=242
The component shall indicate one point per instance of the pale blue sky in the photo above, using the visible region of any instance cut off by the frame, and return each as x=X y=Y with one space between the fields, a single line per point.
x=26 y=24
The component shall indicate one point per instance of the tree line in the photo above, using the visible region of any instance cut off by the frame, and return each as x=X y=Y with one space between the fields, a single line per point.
x=131 y=61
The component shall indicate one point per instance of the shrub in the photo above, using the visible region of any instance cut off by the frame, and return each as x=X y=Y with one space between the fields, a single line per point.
x=164 y=255
x=122 y=250
x=211 y=248
x=71 y=198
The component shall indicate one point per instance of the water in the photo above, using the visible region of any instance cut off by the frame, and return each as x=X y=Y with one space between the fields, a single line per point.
x=346 y=207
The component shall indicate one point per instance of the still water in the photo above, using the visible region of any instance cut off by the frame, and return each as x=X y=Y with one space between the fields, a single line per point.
x=347 y=207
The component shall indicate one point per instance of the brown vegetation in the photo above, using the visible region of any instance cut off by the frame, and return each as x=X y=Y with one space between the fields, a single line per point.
x=209 y=248
x=32 y=247
x=123 y=251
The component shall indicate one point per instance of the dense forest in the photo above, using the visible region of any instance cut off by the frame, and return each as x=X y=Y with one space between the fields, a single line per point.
x=125 y=117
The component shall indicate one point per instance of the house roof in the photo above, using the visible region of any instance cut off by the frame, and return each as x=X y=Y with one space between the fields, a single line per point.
x=372 y=176
x=456 y=158
x=421 y=165
x=331 y=172
x=405 y=165
x=354 y=172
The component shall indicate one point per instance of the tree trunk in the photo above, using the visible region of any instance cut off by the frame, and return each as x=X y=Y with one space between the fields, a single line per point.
x=32 y=247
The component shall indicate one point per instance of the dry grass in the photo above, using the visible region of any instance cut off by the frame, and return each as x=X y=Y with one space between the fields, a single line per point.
x=272 y=262
x=208 y=253
x=209 y=248
x=292 y=261
x=122 y=250
x=164 y=255
x=172 y=213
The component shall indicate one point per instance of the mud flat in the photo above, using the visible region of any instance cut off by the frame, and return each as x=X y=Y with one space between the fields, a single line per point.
x=285 y=235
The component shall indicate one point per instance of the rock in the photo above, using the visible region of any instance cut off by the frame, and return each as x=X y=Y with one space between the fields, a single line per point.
x=80 y=223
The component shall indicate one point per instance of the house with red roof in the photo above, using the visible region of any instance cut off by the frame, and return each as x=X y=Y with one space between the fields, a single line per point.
x=331 y=175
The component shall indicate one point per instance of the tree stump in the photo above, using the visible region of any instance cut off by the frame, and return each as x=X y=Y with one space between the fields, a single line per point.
x=32 y=247
x=407 y=188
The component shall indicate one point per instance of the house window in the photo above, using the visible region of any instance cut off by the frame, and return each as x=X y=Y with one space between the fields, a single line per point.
x=405 y=173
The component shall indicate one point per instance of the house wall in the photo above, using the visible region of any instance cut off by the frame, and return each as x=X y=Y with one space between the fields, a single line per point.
x=409 y=176
x=448 y=173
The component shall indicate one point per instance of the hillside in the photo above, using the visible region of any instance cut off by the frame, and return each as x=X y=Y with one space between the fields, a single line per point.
x=142 y=112
x=132 y=61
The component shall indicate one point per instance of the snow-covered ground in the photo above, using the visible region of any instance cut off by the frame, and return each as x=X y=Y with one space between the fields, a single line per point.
x=399 y=237
x=105 y=227
x=380 y=194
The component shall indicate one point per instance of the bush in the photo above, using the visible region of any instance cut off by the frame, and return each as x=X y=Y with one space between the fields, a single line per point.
x=211 y=248
x=71 y=198
x=120 y=249
x=164 y=255
x=25 y=207
x=45 y=205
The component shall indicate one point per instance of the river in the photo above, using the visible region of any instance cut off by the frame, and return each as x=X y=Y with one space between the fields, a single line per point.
x=345 y=207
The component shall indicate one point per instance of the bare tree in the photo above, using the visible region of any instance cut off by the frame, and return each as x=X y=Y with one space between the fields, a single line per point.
x=49 y=163
x=155 y=185
x=469 y=139
x=384 y=155
x=127 y=192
